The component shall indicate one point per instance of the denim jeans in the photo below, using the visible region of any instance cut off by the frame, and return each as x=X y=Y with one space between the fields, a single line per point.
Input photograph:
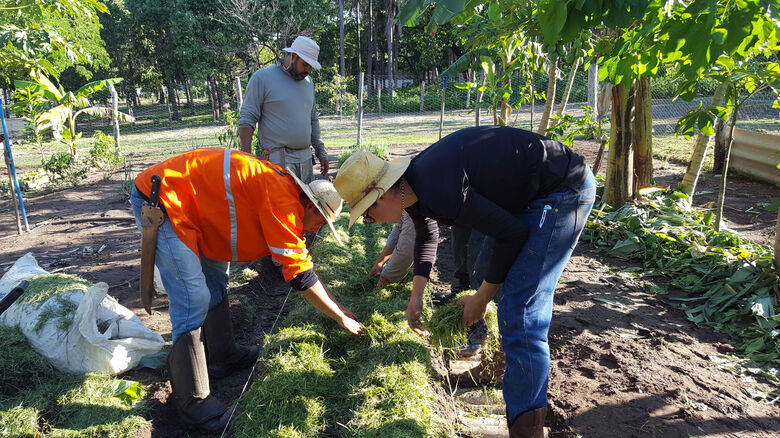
x=194 y=284
x=525 y=300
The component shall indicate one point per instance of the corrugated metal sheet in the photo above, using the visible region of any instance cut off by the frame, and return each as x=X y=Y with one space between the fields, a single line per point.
x=756 y=154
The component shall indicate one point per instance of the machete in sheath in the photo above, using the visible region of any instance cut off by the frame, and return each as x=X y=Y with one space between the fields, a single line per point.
x=151 y=219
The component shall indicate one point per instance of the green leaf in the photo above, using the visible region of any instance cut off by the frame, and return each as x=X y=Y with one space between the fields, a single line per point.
x=552 y=17
x=410 y=12
x=128 y=391
x=610 y=302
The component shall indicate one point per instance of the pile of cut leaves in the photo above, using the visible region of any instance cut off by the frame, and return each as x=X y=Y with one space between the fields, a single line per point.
x=730 y=282
x=318 y=380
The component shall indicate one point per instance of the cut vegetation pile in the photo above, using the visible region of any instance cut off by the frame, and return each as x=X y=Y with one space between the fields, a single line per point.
x=36 y=399
x=318 y=380
x=730 y=282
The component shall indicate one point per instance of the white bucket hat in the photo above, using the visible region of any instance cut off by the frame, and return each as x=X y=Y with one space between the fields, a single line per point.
x=307 y=49
x=325 y=198
x=364 y=177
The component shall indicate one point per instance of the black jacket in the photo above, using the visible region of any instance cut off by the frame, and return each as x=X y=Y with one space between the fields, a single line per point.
x=483 y=178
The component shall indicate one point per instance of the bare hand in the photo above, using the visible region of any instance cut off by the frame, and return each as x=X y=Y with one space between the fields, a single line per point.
x=347 y=312
x=351 y=326
x=474 y=309
x=413 y=313
x=382 y=281
x=375 y=270
x=324 y=164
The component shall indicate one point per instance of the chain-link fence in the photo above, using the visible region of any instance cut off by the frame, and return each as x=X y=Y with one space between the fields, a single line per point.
x=402 y=109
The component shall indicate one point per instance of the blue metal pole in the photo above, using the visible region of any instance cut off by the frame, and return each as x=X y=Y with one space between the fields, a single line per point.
x=10 y=159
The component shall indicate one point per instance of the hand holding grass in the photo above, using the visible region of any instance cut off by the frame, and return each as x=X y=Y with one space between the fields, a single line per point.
x=475 y=306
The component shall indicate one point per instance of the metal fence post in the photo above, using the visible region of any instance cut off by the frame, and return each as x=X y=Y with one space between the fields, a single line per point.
x=443 y=93
x=422 y=95
x=239 y=96
x=114 y=114
x=9 y=161
x=361 y=78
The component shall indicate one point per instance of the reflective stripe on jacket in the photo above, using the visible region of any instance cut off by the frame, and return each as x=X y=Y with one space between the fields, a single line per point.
x=231 y=206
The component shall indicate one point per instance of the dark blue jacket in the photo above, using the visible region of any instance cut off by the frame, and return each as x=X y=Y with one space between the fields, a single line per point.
x=483 y=178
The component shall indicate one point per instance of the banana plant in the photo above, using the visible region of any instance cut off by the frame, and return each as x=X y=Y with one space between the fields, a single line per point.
x=68 y=105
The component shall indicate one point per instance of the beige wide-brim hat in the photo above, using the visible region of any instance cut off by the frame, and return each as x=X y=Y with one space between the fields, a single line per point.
x=325 y=198
x=364 y=177
x=307 y=49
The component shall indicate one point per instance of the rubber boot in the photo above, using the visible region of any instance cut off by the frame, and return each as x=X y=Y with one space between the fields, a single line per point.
x=190 y=385
x=224 y=355
x=476 y=339
x=529 y=424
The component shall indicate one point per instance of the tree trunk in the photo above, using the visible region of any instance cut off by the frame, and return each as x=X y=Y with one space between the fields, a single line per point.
x=220 y=99
x=593 y=87
x=174 y=104
x=724 y=175
x=357 y=22
x=341 y=37
x=688 y=184
x=371 y=59
x=618 y=178
x=390 y=6
x=215 y=116
x=188 y=93
x=567 y=90
x=643 y=134
x=548 y=107
x=719 y=151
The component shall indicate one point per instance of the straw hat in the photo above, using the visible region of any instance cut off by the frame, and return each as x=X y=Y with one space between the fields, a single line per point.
x=307 y=49
x=325 y=198
x=364 y=177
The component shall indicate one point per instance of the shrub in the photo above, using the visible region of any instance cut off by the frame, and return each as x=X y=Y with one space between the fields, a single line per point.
x=64 y=168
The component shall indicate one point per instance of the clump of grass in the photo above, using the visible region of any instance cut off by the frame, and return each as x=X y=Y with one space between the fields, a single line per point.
x=39 y=400
x=319 y=380
x=44 y=286
x=447 y=333
x=64 y=311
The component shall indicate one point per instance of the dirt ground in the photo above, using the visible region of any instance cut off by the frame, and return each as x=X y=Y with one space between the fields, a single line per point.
x=638 y=370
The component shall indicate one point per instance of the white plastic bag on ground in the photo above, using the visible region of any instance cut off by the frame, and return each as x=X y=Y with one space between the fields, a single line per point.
x=80 y=330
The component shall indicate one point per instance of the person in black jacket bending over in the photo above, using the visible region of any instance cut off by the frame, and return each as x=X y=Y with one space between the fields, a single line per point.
x=529 y=195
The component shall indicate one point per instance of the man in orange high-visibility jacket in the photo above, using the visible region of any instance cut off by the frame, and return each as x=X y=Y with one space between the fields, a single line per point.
x=222 y=206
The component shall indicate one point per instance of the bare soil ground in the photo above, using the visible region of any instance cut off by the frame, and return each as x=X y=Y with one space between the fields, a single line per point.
x=638 y=370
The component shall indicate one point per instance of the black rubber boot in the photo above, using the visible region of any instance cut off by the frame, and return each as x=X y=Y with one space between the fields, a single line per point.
x=224 y=355
x=529 y=425
x=190 y=384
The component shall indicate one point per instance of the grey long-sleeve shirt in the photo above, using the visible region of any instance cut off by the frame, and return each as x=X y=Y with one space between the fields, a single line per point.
x=285 y=111
x=401 y=239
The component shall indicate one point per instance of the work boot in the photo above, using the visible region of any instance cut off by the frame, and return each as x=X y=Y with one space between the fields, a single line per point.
x=529 y=424
x=224 y=354
x=441 y=298
x=476 y=338
x=190 y=385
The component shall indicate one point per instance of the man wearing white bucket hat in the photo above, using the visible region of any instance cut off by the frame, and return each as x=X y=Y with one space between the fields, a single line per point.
x=529 y=195
x=280 y=99
x=254 y=210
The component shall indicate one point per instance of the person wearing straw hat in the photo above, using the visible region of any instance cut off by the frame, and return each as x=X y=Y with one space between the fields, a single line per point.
x=220 y=206
x=280 y=99
x=529 y=195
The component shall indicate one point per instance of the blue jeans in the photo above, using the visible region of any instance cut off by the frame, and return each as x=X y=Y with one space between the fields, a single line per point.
x=525 y=300
x=194 y=284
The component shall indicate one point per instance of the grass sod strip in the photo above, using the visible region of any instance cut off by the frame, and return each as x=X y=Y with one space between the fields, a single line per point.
x=36 y=399
x=731 y=282
x=447 y=333
x=318 y=380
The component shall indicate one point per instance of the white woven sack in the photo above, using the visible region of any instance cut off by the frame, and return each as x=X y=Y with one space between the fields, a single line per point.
x=81 y=348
